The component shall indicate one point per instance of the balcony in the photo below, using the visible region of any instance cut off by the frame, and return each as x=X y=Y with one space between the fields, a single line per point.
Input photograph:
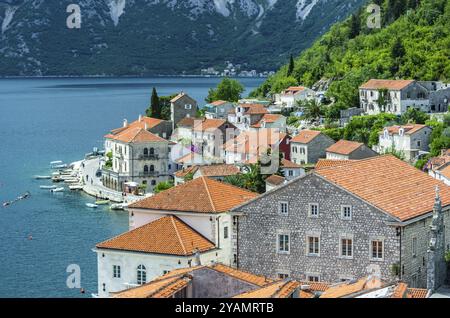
x=146 y=174
x=149 y=157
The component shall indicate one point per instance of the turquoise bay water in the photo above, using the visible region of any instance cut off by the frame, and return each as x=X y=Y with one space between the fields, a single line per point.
x=43 y=120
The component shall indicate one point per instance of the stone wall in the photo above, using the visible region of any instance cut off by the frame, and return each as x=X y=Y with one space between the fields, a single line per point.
x=258 y=228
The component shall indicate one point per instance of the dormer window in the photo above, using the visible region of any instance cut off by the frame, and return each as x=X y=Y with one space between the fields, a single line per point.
x=401 y=132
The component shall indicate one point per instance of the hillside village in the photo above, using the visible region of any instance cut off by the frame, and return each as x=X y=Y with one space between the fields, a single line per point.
x=232 y=194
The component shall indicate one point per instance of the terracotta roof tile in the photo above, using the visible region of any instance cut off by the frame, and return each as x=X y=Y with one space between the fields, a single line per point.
x=136 y=135
x=219 y=103
x=446 y=172
x=142 y=122
x=163 y=288
x=409 y=129
x=201 y=195
x=389 y=84
x=390 y=184
x=209 y=124
x=183 y=173
x=344 y=147
x=255 y=142
x=254 y=109
x=400 y=291
x=417 y=293
x=267 y=118
x=316 y=286
x=219 y=170
x=327 y=163
x=306 y=136
x=167 y=235
x=289 y=164
x=275 y=180
x=279 y=289
x=188 y=122
x=242 y=275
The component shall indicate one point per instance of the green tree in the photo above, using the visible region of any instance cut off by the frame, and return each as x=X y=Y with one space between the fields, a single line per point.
x=355 y=26
x=414 y=116
x=397 y=54
x=163 y=186
x=228 y=89
x=155 y=105
x=291 y=66
x=312 y=110
x=251 y=179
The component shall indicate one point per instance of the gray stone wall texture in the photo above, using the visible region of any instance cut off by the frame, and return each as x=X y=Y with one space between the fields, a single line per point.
x=362 y=152
x=258 y=229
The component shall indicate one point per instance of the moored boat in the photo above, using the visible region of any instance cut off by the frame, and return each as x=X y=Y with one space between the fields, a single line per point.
x=91 y=205
x=102 y=202
x=44 y=187
x=57 y=190
x=118 y=206
x=42 y=177
x=76 y=187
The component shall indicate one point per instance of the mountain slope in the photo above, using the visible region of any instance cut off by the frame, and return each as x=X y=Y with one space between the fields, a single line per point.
x=414 y=42
x=143 y=37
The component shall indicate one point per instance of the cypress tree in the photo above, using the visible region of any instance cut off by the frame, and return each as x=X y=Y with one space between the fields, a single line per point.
x=355 y=26
x=291 y=66
x=155 y=106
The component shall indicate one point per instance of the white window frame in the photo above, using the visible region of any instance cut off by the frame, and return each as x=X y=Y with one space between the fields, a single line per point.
x=282 y=204
x=343 y=217
x=310 y=210
x=308 y=253
x=188 y=106
x=288 y=243
x=117 y=271
x=371 y=249
x=311 y=275
x=346 y=237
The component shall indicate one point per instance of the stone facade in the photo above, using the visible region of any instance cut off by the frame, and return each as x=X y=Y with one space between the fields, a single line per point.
x=182 y=106
x=258 y=224
x=262 y=222
x=362 y=152
x=310 y=153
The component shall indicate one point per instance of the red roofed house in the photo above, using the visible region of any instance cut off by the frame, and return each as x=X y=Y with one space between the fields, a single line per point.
x=349 y=150
x=401 y=95
x=292 y=95
x=139 y=157
x=177 y=228
x=271 y=121
x=377 y=215
x=246 y=115
x=218 y=109
x=410 y=140
x=309 y=146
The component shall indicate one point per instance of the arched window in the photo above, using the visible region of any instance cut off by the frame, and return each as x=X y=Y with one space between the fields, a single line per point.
x=145 y=151
x=141 y=275
x=145 y=169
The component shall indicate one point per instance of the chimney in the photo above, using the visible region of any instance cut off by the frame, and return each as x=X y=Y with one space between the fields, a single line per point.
x=140 y=118
x=146 y=126
x=125 y=123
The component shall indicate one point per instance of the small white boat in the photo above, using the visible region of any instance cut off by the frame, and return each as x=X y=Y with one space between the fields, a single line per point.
x=48 y=187
x=57 y=190
x=42 y=177
x=76 y=187
x=71 y=181
x=118 y=206
x=58 y=162
x=59 y=166
x=91 y=205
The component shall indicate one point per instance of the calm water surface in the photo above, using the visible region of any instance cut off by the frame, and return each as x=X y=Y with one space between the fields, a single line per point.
x=42 y=120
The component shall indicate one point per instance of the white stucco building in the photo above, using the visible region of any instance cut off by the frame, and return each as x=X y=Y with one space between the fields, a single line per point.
x=410 y=140
x=292 y=95
x=176 y=228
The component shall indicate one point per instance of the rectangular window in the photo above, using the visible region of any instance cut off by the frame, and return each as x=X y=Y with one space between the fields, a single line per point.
x=313 y=246
x=225 y=232
x=283 y=275
x=291 y=173
x=377 y=249
x=346 y=212
x=314 y=210
x=283 y=243
x=284 y=208
x=313 y=278
x=116 y=271
x=414 y=246
x=346 y=247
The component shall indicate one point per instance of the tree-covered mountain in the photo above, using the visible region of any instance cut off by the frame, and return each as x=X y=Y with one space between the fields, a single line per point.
x=147 y=37
x=412 y=43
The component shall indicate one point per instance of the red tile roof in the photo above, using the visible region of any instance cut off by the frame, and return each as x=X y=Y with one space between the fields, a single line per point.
x=306 y=136
x=135 y=135
x=209 y=124
x=275 y=180
x=289 y=164
x=389 y=184
x=344 y=147
x=389 y=84
x=201 y=195
x=142 y=122
x=162 y=288
x=219 y=170
x=167 y=235
x=267 y=118
x=219 y=103
x=279 y=289
x=408 y=129
x=326 y=163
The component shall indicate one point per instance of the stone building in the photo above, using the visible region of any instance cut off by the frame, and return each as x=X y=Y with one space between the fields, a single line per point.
x=349 y=150
x=218 y=109
x=343 y=222
x=410 y=140
x=309 y=146
x=173 y=229
x=137 y=156
x=182 y=106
